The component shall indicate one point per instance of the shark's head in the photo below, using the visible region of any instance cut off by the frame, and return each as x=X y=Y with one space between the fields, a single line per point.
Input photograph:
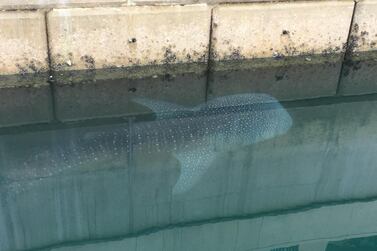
x=256 y=117
x=266 y=118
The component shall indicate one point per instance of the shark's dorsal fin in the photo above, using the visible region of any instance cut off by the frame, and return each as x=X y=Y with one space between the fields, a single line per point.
x=162 y=109
x=194 y=165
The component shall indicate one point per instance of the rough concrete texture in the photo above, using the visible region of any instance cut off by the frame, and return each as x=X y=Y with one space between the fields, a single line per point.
x=120 y=37
x=168 y=2
x=359 y=74
x=23 y=43
x=245 y=31
x=364 y=28
x=40 y=4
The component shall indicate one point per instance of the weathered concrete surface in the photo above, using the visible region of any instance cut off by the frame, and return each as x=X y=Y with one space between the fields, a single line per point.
x=247 y=31
x=359 y=74
x=23 y=43
x=168 y=2
x=41 y=4
x=121 y=37
x=290 y=50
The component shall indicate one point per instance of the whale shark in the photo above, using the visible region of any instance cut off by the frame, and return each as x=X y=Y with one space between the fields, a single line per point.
x=193 y=135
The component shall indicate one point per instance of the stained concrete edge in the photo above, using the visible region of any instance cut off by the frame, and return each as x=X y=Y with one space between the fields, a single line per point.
x=23 y=43
x=37 y=4
x=152 y=50
x=79 y=39
x=359 y=75
x=47 y=4
x=293 y=29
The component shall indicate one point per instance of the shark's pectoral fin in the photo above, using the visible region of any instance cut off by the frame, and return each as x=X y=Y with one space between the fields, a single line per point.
x=193 y=164
x=162 y=109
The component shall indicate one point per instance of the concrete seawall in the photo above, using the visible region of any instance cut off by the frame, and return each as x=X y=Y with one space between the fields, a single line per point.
x=291 y=50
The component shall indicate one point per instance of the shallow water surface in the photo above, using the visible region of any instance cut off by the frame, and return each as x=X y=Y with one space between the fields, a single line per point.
x=237 y=172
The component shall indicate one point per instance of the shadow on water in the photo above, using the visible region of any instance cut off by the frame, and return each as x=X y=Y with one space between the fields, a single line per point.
x=238 y=172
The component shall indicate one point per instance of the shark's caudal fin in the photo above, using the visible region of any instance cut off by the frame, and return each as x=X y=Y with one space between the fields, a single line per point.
x=162 y=109
x=194 y=164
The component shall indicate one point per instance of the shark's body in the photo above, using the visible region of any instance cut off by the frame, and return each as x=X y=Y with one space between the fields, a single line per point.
x=193 y=135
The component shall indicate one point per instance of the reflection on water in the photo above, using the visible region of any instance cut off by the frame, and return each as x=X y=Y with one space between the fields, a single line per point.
x=239 y=172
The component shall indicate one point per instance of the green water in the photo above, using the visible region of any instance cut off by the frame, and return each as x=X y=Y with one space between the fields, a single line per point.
x=241 y=172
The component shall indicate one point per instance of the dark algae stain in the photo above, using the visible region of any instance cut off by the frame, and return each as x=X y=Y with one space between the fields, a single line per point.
x=169 y=56
x=133 y=89
x=236 y=54
x=285 y=32
x=31 y=66
x=167 y=77
x=89 y=62
x=350 y=47
x=279 y=77
x=21 y=70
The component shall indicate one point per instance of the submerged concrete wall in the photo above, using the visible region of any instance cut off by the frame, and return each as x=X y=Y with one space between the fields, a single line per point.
x=328 y=155
x=310 y=230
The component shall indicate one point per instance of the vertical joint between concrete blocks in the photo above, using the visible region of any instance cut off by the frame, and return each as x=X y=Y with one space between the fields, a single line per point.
x=348 y=49
x=209 y=57
x=50 y=72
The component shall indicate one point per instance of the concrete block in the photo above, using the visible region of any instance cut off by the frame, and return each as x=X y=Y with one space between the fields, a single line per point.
x=246 y=31
x=40 y=4
x=169 y=2
x=288 y=50
x=359 y=75
x=23 y=43
x=87 y=98
x=23 y=105
x=285 y=79
x=121 y=37
x=364 y=29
